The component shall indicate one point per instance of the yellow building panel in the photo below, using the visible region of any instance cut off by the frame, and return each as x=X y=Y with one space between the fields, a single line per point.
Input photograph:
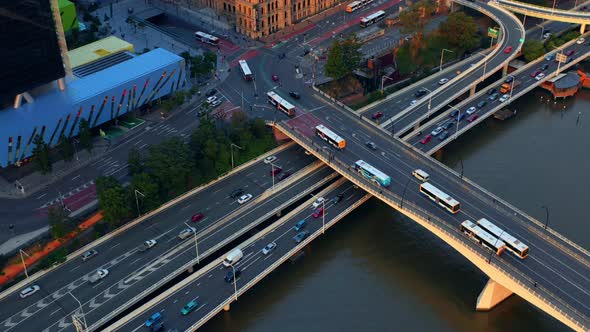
x=99 y=49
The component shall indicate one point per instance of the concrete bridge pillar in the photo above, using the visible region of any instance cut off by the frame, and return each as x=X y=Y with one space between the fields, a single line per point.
x=582 y=28
x=472 y=90
x=492 y=294
x=505 y=70
x=226 y=308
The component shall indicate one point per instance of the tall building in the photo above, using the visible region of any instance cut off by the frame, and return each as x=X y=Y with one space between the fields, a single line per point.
x=259 y=18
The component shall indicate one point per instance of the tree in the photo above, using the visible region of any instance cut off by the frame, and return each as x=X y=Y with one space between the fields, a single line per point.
x=41 y=153
x=59 y=222
x=115 y=205
x=533 y=49
x=169 y=162
x=351 y=53
x=135 y=162
x=335 y=66
x=405 y=62
x=103 y=183
x=148 y=186
x=66 y=148
x=460 y=31
x=85 y=135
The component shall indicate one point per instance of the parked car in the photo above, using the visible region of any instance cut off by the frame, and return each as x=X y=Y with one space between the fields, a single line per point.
x=29 y=291
x=268 y=248
x=211 y=92
x=301 y=236
x=443 y=81
x=372 y=145
x=318 y=202
x=377 y=115
x=269 y=159
x=318 y=213
x=211 y=99
x=426 y=139
x=504 y=98
x=540 y=76
x=216 y=103
x=244 y=198
x=437 y=131
x=508 y=49
x=197 y=217
x=189 y=307
x=89 y=254
x=473 y=117
x=471 y=110
x=443 y=136
x=294 y=94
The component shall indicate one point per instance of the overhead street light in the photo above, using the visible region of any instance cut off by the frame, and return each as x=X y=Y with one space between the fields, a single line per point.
x=442 y=52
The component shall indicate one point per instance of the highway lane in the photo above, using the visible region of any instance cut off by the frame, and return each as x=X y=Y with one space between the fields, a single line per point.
x=210 y=290
x=550 y=267
x=120 y=251
x=523 y=76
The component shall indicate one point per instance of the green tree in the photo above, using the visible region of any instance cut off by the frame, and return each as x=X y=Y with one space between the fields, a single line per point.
x=351 y=53
x=460 y=31
x=134 y=162
x=59 y=222
x=115 y=205
x=404 y=61
x=66 y=148
x=335 y=65
x=85 y=135
x=148 y=187
x=103 y=183
x=41 y=153
x=533 y=49
x=169 y=162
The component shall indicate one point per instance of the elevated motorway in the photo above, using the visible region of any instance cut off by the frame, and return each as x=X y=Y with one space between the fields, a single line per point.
x=524 y=75
x=551 y=14
x=213 y=294
x=555 y=275
x=135 y=274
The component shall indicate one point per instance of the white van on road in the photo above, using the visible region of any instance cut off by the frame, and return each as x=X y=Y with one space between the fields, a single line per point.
x=233 y=257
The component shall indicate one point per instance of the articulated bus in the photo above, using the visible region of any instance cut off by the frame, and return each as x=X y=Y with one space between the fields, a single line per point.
x=372 y=173
x=246 y=72
x=280 y=103
x=206 y=38
x=518 y=248
x=438 y=196
x=330 y=137
x=482 y=237
x=372 y=19
x=356 y=5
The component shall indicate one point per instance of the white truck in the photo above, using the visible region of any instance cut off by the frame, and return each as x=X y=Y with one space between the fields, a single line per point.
x=233 y=257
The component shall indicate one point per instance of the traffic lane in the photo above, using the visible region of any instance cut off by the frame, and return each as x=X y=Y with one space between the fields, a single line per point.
x=292 y=159
x=210 y=289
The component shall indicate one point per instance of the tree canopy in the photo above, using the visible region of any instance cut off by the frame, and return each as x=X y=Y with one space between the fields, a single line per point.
x=460 y=31
x=343 y=58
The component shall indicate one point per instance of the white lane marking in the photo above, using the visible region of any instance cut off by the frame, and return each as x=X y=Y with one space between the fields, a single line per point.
x=75 y=177
x=41 y=196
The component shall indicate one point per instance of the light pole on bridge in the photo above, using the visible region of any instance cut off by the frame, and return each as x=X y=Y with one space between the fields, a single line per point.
x=546 y=215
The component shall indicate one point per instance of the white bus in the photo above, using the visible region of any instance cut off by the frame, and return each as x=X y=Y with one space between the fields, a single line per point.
x=372 y=173
x=482 y=237
x=372 y=19
x=518 y=248
x=330 y=137
x=440 y=197
x=206 y=38
x=246 y=73
x=280 y=103
x=356 y=5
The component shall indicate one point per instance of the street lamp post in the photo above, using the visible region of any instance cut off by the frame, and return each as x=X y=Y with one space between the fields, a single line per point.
x=137 y=201
x=231 y=147
x=196 y=243
x=461 y=161
x=512 y=84
x=272 y=172
x=323 y=216
x=401 y=206
x=81 y=310
x=23 y=260
x=383 y=77
x=442 y=52
x=235 y=282
x=546 y=215
x=457 y=119
x=542 y=30
x=429 y=100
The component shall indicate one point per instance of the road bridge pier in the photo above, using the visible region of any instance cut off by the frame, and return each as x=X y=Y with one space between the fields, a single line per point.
x=472 y=90
x=505 y=69
x=492 y=294
x=582 y=28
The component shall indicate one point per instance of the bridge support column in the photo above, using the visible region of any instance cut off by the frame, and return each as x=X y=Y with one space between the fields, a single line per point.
x=279 y=213
x=582 y=28
x=226 y=308
x=505 y=70
x=492 y=294
x=190 y=270
x=279 y=136
x=472 y=90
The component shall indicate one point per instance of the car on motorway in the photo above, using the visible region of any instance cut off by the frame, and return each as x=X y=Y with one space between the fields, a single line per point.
x=504 y=98
x=377 y=115
x=570 y=52
x=155 y=318
x=186 y=232
x=197 y=217
x=420 y=92
x=269 y=159
x=211 y=99
x=294 y=94
x=318 y=213
x=318 y=202
x=493 y=96
x=211 y=92
x=550 y=56
x=371 y=145
x=472 y=118
x=301 y=236
x=189 y=307
x=29 y=291
x=436 y=131
x=580 y=41
x=443 y=81
x=299 y=225
x=216 y=103
x=461 y=116
x=413 y=102
x=268 y=248
x=337 y=198
x=236 y=193
x=448 y=124
x=443 y=136
x=98 y=275
x=544 y=67
x=275 y=170
x=454 y=113
x=147 y=245
x=275 y=78
x=471 y=110
x=508 y=49
x=481 y=104
x=426 y=139
x=244 y=198
x=535 y=73
x=283 y=176
x=540 y=76
x=490 y=91
x=89 y=254
x=509 y=79
x=232 y=274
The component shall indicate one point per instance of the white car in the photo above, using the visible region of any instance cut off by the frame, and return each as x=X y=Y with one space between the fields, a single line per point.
x=216 y=103
x=186 y=233
x=540 y=76
x=244 y=198
x=269 y=159
x=211 y=99
x=318 y=202
x=147 y=245
x=437 y=131
x=443 y=81
x=29 y=291
x=413 y=102
x=471 y=110
x=504 y=98
x=269 y=247
x=98 y=275
x=580 y=41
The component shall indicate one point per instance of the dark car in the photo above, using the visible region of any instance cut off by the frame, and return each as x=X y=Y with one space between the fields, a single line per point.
x=509 y=79
x=490 y=91
x=236 y=193
x=283 y=176
x=454 y=114
x=372 y=145
x=472 y=118
x=481 y=104
x=294 y=94
x=493 y=96
x=461 y=116
x=443 y=136
x=377 y=115
x=211 y=92
x=197 y=217
x=544 y=67
x=570 y=52
x=229 y=276
x=337 y=198
x=448 y=124
x=301 y=236
x=421 y=92
x=275 y=171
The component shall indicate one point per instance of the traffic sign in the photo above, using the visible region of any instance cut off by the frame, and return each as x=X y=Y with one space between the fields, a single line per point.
x=560 y=57
x=492 y=33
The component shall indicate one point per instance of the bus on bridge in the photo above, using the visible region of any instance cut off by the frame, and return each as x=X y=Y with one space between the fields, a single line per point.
x=482 y=237
x=518 y=248
x=440 y=197
x=330 y=137
x=372 y=173
x=281 y=103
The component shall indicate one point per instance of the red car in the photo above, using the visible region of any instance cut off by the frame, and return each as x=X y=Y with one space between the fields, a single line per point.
x=318 y=213
x=508 y=49
x=377 y=115
x=426 y=139
x=472 y=118
x=535 y=73
x=275 y=170
x=197 y=217
x=275 y=78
